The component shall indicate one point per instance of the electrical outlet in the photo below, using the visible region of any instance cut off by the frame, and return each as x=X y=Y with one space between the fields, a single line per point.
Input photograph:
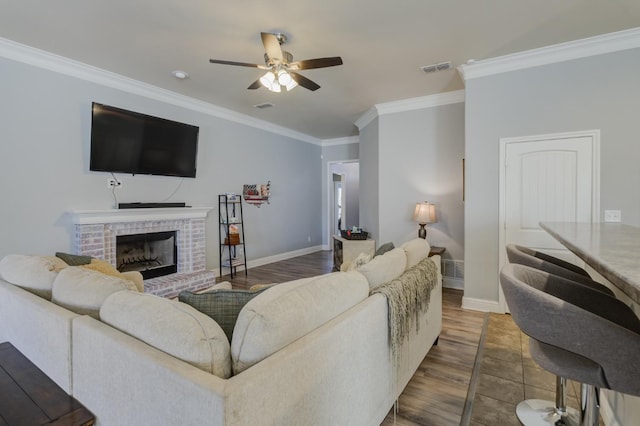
x=111 y=183
x=612 y=216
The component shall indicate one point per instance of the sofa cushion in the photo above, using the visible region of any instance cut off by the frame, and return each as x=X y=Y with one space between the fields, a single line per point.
x=278 y=317
x=172 y=327
x=83 y=291
x=416 y=250
x=385 y=267
x=223 y=306
x=35 y=274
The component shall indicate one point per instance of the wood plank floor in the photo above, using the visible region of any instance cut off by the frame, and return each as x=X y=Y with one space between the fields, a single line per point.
x=437 y=393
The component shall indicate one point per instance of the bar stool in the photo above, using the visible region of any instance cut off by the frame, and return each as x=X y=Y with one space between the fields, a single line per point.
x=544 y=262
x=576 y=332
x=538 y=411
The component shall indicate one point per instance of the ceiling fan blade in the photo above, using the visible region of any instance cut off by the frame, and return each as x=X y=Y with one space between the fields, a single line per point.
x=255 y=85
x=272 y=47
x=240 y=64
x=316 y=63
x=304 y=81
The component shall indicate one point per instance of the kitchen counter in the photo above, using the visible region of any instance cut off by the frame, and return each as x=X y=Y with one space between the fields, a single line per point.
x=611 y=249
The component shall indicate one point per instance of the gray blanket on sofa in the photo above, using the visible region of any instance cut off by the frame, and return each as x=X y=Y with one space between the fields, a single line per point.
x=408 y=296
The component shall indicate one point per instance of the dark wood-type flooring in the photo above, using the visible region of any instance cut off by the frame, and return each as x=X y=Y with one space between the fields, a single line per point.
x=456 y=384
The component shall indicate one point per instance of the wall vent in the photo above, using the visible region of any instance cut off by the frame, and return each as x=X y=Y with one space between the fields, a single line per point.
x=264 y=105
x=436 y=67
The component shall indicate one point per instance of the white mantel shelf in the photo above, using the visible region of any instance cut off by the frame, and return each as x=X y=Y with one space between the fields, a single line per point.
x=89 y=217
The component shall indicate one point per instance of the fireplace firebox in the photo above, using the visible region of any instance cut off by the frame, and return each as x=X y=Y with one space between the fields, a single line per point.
x=152 y=254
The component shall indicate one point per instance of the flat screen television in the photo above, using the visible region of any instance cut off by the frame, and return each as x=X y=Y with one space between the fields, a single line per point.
x=129 y=142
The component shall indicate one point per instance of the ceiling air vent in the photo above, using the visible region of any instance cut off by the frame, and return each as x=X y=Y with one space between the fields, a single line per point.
x=264 y=105
x=436 y=67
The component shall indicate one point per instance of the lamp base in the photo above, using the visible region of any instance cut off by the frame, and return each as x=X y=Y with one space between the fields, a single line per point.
x=422 y=232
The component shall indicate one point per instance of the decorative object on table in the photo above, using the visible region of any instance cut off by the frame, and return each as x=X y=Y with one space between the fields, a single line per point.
x=424 y=213
x=355 y=233
x=257 y=194
x=231 y=196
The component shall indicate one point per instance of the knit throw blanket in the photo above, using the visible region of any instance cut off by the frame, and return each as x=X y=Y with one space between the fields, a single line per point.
x=408 y=297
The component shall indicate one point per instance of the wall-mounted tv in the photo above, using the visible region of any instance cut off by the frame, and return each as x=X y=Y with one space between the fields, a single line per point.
x=129 y=142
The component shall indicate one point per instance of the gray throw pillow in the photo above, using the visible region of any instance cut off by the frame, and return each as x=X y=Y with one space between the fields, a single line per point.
x=74 y=259
x=384 y=248
x=223 y=306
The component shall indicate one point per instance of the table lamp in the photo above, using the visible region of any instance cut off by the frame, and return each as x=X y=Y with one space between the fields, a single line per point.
x=424 y=213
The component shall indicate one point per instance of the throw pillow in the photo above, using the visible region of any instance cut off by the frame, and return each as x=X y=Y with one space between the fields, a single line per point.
x=223 y=306
x=360 y=260
x=73 y=259
x=384 y=248
x=416 y=250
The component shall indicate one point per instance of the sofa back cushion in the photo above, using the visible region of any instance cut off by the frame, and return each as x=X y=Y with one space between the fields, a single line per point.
x=83 y=291
x=35 y=274
x=416 y=250
x=287 y=312
x=172 y=327
x=384 y=268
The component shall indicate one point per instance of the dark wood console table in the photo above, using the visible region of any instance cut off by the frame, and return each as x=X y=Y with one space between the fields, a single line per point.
x=29 y=397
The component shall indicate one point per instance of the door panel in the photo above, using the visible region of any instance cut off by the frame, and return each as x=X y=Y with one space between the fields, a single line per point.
x=546 y=181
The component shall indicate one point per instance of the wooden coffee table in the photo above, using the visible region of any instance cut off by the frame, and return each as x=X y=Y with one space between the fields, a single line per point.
x=29 y=397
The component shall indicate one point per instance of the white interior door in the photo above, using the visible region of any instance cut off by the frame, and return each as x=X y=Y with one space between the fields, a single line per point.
x=553 y=178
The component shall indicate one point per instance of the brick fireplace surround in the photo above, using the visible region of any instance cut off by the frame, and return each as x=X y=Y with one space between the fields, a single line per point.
x=96 y=232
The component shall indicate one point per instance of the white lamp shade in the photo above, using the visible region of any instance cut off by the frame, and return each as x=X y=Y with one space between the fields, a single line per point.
x=267 y=80
x=425 y=213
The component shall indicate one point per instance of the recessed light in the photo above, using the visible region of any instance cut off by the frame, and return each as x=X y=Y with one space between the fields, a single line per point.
x=180 y=75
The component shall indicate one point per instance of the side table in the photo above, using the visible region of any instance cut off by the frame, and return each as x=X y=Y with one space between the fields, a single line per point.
x=29 y=397
x=345 y=250
x=436 y=250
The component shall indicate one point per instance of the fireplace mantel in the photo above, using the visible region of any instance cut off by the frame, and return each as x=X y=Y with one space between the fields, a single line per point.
x=90 y=217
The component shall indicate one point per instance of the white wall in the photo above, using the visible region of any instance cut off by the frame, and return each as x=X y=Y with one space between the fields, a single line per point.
x=44 y=157
x=369 y=169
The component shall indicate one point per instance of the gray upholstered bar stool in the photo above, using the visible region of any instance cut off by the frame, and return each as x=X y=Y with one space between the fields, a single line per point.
x=576 y=332
x=538 y=411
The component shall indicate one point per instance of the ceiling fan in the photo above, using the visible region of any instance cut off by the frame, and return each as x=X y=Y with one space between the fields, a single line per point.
x=281 y=69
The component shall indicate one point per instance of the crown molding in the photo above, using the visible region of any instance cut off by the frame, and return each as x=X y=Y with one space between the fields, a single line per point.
x=42 y=59
x=439 y=99
x=341 y=141
x=592 y=46
x=366 y=118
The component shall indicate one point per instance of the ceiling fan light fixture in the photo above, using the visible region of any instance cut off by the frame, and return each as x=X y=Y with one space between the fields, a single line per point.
x=284 y=78
x=291 y=85
x=267 y=80
x=275 y=87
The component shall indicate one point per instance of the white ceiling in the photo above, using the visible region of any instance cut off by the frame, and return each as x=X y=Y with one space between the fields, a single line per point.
x=383 y=45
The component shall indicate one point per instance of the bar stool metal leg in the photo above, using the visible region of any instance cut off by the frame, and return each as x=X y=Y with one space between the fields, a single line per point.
x=539 y=412
x=589 y=405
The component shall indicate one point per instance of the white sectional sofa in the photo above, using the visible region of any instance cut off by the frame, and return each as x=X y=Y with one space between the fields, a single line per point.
x=314 y=351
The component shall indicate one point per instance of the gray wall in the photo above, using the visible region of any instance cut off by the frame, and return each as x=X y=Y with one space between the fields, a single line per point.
x=44 y=152
x=369 y=169
x=421 y=155
x=599 y=92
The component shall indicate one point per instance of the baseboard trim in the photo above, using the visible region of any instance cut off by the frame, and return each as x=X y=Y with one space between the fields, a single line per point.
x=275 y=258
x=481 y=305
x=454 y=283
